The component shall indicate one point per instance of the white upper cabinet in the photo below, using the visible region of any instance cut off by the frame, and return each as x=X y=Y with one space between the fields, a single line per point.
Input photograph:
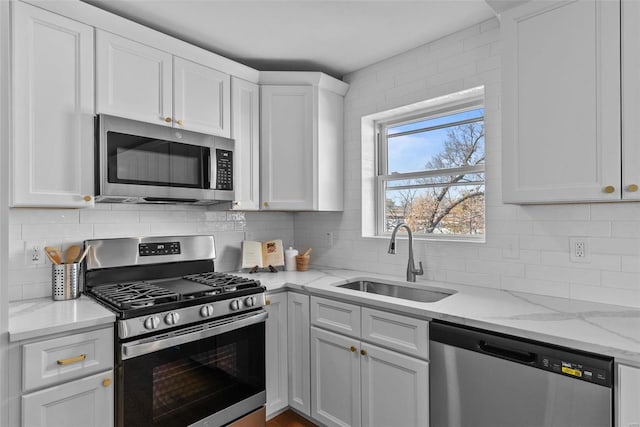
x=630 y=100
x=245 y=131
x=140 y=82
x=133 y=80
x=202 y=97
x=52 y=103
x=561 y=102
x=301 y=144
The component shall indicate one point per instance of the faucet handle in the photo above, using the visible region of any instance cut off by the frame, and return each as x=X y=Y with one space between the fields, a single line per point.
x=420 y=271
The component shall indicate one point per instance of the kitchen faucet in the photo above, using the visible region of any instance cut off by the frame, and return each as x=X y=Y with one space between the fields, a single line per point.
x=411 y=267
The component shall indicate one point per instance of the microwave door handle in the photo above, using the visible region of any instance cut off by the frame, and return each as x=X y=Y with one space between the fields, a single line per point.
x=213 y=170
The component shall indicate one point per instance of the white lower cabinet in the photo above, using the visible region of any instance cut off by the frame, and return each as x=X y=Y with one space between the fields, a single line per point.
x=356 y=383
x=276 y=354
x=628 y=396
x=64 y=380
x=87 y=402
x=298 y=351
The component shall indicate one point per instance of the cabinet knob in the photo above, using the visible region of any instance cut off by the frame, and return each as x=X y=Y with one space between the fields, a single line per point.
x=265 y=204
x=609 y=189
x=352 y=349
x=87 y=198
x=632 y=188
x=180 y=122
x=363 y=352
x=168 y=119
x=236 y=203
x=267 y=302
x=106 y=382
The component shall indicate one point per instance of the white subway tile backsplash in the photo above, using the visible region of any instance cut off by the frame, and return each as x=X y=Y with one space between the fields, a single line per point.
x=103 y=231
x=92 y=216
x=43 y=216
x=50 y=231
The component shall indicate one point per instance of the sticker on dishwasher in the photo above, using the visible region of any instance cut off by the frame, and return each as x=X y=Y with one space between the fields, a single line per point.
x=569 y=370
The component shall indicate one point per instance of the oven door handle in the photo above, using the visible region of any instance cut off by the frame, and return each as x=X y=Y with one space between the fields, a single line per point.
x=161 y=342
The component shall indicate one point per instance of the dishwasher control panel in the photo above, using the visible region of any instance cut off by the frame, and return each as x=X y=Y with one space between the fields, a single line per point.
x=576 y=370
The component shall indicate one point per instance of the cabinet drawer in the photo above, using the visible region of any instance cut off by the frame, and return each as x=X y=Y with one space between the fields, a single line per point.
x=396 y=332
x=336 y=316
x=62 y=359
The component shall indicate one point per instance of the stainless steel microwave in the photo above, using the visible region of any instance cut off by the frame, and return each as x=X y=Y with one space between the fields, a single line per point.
x=139 y=162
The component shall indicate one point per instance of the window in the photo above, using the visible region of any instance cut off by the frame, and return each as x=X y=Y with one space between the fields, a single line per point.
x=431 y=172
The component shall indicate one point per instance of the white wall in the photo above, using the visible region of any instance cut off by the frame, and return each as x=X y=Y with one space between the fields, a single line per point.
x=64 y=227
x=527 y=247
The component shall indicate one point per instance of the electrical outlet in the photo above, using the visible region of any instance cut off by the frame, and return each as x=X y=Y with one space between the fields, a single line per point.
x=328 y=239
x=579 y=249
x=34 y=252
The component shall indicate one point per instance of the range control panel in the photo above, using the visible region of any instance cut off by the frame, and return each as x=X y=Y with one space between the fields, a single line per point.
x=576 y=370
x=154 y=249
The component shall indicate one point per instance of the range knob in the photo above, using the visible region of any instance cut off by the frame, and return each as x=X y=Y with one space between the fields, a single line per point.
x=235 y=305
x=206 y=310
x=250 y=301
x=171 y=318
x=151 y=322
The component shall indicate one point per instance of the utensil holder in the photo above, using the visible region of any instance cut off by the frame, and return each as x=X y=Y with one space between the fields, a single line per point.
x=302 y=262
x=65 y=281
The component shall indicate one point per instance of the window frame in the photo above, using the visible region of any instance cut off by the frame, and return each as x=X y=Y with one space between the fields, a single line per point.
x=381 y=152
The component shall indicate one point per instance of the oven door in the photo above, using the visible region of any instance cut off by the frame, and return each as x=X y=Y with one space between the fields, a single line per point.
x=209 y=374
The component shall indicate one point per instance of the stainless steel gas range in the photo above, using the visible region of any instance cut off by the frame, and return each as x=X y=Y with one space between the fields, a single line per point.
x=190 y=341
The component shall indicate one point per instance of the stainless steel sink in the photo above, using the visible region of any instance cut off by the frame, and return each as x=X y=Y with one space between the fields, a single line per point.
x=419 y=294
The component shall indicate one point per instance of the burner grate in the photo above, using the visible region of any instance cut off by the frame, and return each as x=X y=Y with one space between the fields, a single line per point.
x=222 y=281
x=134 y=294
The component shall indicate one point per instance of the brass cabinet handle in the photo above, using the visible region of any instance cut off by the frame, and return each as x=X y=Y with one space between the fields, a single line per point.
x=267 y=302
x=609 y=189
x=87 y=198
x=168 y=119
x=71 y=360
x=352 y=349
x=363 y=352
x=180 y=122
x=106 y=382
x=632 y=188
x=265 y=204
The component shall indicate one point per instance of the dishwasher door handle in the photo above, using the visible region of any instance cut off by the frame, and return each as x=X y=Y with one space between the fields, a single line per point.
x=507 y=353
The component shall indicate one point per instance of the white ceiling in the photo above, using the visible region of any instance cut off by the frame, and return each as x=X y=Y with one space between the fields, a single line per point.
x=336 y=37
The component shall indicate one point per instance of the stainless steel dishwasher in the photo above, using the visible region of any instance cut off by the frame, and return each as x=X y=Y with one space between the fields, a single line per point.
x=484 y=379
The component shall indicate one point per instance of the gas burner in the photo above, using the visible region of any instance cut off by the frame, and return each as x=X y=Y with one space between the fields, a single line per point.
x=134 y=295
x=222 y=282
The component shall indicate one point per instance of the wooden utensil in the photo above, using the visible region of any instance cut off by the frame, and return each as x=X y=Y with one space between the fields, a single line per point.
x=84 y=254
x=72 y=253
x=307 y=252
x=53 y=254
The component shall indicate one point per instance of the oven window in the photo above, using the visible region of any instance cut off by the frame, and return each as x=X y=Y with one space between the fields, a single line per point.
x=147 y=161
x=184 y=384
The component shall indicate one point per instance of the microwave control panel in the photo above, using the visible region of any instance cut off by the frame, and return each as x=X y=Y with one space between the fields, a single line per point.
x=224 y=168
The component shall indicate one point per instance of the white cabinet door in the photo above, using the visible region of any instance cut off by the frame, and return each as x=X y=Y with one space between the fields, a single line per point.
x=628 y=396
x=299 y=359
x=395 y=388
x=276 y=354
x=52 y=100
x=630 y=100
x=87 y=402
x=287 y=147
x=335 y=379
x=561 y=102
x=245 y=130
x=201 y=98
x=133 y=80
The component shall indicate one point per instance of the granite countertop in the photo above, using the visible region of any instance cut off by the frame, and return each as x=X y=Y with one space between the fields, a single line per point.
x=36 y=318
x=600 y=328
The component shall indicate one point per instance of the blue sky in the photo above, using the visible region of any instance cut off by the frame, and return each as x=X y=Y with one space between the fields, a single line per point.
x=410 y=153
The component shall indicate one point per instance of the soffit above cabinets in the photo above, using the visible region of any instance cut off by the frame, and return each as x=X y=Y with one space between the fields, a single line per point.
x=336 y=37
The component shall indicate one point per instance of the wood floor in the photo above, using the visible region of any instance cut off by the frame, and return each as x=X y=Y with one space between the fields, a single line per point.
x=289 y=419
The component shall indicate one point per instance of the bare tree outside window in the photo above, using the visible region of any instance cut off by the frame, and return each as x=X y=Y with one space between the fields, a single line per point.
x=444 y=195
